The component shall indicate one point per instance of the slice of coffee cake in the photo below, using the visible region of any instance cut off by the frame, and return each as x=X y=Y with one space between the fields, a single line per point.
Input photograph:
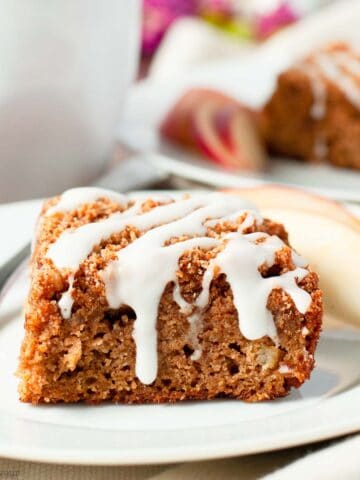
x=160 y=299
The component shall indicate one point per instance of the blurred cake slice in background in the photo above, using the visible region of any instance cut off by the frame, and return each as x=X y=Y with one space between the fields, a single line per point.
x=217 y=127
x=314 y=113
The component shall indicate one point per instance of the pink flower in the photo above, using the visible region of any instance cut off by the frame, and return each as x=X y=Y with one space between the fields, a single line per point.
x=268 y=23
x=158 y=15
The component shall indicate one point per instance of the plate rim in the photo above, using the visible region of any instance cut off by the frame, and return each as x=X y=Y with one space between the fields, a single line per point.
x=162 y=455
x=176 y=454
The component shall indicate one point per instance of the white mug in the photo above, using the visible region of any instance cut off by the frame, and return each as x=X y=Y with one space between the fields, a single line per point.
x=66 y=66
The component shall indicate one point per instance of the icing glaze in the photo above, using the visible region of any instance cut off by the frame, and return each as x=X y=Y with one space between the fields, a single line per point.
x=305 y=331
x=141 y=270
x=285 y=369
x=339 y=67
x=330 y=67
x=320 y=148
x=66 y=301
x=349 y=63
x=318 y=107
x=75 y=197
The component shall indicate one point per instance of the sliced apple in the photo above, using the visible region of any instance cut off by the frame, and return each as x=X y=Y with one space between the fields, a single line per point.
x=333 y=251
x=244 y=140
x=218 y=127
x=176 y=124
x=206 y=137
x=326 y=234
x=277 y=196
x=222 y=119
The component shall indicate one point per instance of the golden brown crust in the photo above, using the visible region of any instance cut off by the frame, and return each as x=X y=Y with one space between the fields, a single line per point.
x=288 y=128
x=91 y=356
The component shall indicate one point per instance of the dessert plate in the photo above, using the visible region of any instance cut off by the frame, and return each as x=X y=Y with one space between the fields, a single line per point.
x=325 y=407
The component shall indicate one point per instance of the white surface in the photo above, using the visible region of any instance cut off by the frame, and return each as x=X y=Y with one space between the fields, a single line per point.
x=66 y=67
x=324 y=407
x=17 y=220
x=250 y=78
x=206 y=43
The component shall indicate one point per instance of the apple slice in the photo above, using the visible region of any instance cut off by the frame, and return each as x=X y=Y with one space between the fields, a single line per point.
x=176 y=124
x=328 y=236
x=216 y=126
x=224 y=133
x=278 y=196
x=206 y=137
x=333 y=251
x=243 y=139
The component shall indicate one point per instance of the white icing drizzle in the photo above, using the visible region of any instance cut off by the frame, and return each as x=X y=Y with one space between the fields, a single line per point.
x=298 y=260
x=318 y=108
x=305 y=331
x=73 y=247
x=351 y=64
x=158 y=267
x=75 y=197
x=330 y=68
x=342 y=69
x=195 y=327
x=141 y=271
x=185 y=307
x=66 y=301
x=240 y=261
x=284 y=369
x=150 y=266
x=320 y=148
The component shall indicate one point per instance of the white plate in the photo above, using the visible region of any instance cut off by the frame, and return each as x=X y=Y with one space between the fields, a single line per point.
x=250 y=79
x=326 y=406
